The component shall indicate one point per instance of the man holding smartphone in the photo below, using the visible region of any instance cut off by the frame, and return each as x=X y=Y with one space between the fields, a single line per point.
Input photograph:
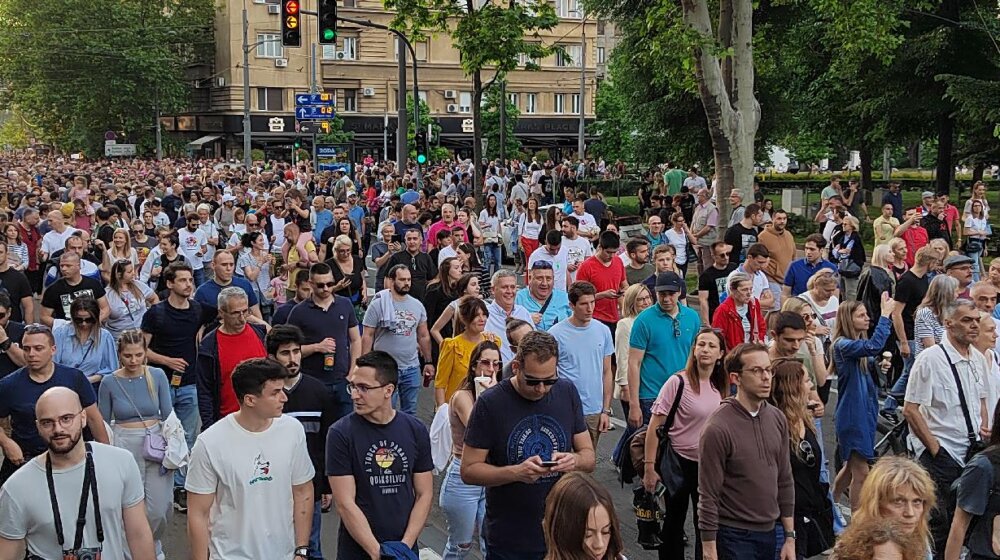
x=521 y=436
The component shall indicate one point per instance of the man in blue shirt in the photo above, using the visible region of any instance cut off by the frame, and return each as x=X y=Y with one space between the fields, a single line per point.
x=546 y=304
x=585 y=350
x=208 y=293
x=800 y=270
x=662 y=337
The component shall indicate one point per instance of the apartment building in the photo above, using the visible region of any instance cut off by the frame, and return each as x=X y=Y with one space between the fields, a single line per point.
x=361 y=71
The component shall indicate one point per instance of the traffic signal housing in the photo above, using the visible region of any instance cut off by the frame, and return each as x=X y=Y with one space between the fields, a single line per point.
x=291 y=20
x=420 y=139
x=327 y=17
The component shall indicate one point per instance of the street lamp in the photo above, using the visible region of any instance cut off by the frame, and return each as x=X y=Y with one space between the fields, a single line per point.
x=583 y=80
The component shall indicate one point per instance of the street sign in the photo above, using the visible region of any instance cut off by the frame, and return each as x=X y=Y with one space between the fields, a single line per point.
x=314 y=99
x=119 y=150
x=334 y=157
x=314 y=127
x=276 y=124
x=328 y=151
x=314 y=113
x=468 y=126
x=110 y=135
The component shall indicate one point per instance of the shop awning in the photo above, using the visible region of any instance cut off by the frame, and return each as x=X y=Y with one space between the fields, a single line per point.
x=199 y=143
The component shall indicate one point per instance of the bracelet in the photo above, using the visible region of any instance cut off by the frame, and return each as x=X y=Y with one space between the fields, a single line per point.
x=648 y=461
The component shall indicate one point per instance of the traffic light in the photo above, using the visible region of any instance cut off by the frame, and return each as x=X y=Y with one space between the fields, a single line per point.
x=327 y=16
x=298 y=143
x=291 y=30
x=420 y=139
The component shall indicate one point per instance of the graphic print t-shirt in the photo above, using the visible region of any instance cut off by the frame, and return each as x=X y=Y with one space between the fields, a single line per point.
x=512 y=428
x=397 y=334
x=382 y=459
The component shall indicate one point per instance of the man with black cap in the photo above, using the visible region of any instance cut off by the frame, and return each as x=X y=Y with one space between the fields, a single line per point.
x=959 y=267
x=662 y=337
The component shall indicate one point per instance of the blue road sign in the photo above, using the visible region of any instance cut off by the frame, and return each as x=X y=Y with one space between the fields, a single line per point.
x=327 y=151
x=314 y=99
x=314 y=113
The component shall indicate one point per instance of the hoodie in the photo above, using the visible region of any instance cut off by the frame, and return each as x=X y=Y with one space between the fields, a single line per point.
x=744 y=475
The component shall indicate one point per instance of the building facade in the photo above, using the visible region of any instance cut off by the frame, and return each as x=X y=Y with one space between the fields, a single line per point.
x=361 y=72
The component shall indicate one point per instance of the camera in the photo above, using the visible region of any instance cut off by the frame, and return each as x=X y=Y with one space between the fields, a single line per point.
x=82 y=554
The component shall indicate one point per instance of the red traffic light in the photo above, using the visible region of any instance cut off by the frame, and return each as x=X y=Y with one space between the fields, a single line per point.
x=291 y=7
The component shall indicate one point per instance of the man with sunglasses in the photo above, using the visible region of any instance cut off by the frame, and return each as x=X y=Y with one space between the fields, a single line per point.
x=521 y=436
x=379 y=465
x=20 y=391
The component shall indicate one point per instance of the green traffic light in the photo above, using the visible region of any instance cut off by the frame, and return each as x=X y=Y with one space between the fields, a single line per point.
x=421 y=159
x=329 y=34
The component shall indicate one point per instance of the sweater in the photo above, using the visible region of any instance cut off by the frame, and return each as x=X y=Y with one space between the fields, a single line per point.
x=745 y=474
x=782 y=250
x=729 y=321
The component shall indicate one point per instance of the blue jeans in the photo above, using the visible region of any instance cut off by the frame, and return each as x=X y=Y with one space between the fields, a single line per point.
x=646 y=406
x=464 y=507
x=341 y=403
x=315 y=550
x=405 y=397
x=491 y=257
x=740 y=544
x=975 y=264
x=199 y=277
x=185 y=404
x=900 y=387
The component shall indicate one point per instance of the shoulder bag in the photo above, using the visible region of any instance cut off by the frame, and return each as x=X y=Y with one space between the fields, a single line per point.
x=975 y=444
x=154 y=445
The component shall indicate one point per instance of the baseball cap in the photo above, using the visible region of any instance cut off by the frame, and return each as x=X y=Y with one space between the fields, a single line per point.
x=956 y=260
x=926 y=194
x=668 y=282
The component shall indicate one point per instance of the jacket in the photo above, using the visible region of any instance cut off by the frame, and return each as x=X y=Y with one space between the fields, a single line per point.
x=728 y=320
x=209 y=376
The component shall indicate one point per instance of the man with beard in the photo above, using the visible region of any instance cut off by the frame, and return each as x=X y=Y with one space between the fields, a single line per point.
x=20 y=391
x=310 y=401
x=46 y=527
x=396 y=323
x=780 y=244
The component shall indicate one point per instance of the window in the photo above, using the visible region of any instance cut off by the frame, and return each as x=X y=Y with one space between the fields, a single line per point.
x=575 y=103
x=350 y=48
x=572 y=56
x=530 y=103
x=421 y=48
x=270 y=99
x=465 y=102
x=269 y=46
x=514 y=99
x=559 y=105
x=569 y=8
x=600 y=55
x=350 y=4
x=422 y=95
x=350 y=101
x=524 y=59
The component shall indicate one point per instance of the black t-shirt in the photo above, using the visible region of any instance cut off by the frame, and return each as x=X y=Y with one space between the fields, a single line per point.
x=596 y=208
x=713 y=281
x=15 y=331
x=174 y=333
x=910 y=291
x=352 y=292
x=60 y=295
x=741 y=238
x=15 y=283
x=511 y=429
x=382 y=459
x=687 y=207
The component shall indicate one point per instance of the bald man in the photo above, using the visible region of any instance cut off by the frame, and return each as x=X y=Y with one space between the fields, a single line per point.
x=59 y=232
x=447 y=222
x=408 y=222
x=28 y=520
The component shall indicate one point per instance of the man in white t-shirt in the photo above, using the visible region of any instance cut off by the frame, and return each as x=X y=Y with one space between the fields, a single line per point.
x=193 y=245
x=588 y=225
x=757 y=258
x=576 y=247
x=553 y=251
x=56 y=238
x=250 y=473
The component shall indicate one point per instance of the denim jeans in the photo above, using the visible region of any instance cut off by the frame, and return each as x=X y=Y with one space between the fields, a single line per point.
x=464 y=507
x=739 y=544
x=199 y=277
x=342 y=403
x=185 y=403
x=315 y=550
x=975 y=264
x=405 y=397
x=900 y=387
x=646 y=406
x=491 y=257
x=824 y=476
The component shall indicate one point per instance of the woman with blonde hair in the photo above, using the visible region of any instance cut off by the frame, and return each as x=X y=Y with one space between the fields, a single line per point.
x=857 y=403
x=876 y=280
x=898 y=264
x=878 y=539
x=899 y=490
x=848 y=250
x=580 y=522
x=121 y=247
x=821 y=294
x=928 y=323
x=636 y=299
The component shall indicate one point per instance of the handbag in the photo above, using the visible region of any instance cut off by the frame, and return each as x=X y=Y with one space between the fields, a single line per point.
x=848 y=268
x=668 y=462
x=972 y=245
x=975 y=444
x=154 y=445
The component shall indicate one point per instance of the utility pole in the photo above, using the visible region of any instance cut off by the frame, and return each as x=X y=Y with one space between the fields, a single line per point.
x=402 y=127
x=385 y=136
x=313 y=88
x=159 y=130
x=503 y=122
x=247 y=160
x=583 y=83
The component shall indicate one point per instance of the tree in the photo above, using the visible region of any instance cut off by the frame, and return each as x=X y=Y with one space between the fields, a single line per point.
x=491 y=124
x=490 y=37
x=437 y=153
x=337 y=134
x=76 y=68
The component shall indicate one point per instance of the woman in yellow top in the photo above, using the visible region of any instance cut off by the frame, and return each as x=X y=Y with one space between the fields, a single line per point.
x=453 y=363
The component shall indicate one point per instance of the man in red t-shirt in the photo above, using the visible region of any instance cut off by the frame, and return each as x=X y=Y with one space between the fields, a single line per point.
x=912 y=233
x=221 y=350
x=607 y=273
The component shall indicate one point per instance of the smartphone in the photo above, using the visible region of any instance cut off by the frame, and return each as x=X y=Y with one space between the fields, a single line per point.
x=395 y=239
x=549 y=463
x=812 y=406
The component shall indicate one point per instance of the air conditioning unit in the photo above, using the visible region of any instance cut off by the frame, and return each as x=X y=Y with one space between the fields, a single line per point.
x=274 y=9
x=341 y=55
x=368 y=92
x=452 y=108
x=450 y=94
x=220 y=82
x=281 y=63
x=259 y=1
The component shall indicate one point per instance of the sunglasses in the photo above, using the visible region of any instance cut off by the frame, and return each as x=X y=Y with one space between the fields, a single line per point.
x=324 y=284
x=541 y=265
x=495 y=364
x=534 y=381
x=84 y=320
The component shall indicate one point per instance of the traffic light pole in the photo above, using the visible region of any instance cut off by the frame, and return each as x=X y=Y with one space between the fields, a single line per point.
x=247 y=160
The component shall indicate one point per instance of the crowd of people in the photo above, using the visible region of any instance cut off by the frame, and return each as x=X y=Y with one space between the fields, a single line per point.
x=209 y=341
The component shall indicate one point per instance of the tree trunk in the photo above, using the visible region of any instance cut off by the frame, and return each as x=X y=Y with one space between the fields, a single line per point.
x=477 y=137
x=977 y=172
x=913 y=154
x=946 y=145
x=866 y=168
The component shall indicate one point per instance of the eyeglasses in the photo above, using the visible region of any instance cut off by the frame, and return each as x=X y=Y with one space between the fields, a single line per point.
x=64 y=421
x=534 y=381
x=495 y=364
x=808 y=455
x=324 y=284
x=84 y=320
x=760 y=371
x=363 y=389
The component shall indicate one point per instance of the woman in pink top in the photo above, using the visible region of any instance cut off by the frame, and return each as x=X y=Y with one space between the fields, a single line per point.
x=704 y=386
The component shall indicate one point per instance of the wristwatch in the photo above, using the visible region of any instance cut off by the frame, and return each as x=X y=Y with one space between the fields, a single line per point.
x=608 y=411
x=302 y=552
x=790 y=535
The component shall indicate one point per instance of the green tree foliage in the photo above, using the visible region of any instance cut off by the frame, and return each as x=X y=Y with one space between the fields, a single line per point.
x=337 y=134
x=76 y=68
x=437 y=153
x=491 y=124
